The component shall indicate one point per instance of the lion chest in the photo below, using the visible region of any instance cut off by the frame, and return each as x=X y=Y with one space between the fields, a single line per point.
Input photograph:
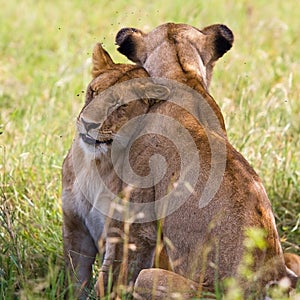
x=95 y=187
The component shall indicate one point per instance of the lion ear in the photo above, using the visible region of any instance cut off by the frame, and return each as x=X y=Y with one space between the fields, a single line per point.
x=101 y=60
x=128 y=40
x=221 y=37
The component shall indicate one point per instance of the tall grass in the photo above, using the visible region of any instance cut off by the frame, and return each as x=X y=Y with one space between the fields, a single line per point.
x=45 y=50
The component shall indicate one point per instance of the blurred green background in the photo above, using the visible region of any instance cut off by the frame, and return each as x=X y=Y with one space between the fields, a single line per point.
x=45 y=55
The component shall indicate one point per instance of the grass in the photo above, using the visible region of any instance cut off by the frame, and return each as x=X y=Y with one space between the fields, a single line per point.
x=45 y=51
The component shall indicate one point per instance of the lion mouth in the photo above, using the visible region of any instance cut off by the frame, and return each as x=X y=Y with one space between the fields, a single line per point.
x=91 y=141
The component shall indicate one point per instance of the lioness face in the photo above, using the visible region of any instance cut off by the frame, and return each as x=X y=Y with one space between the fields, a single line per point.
x=171 y=49
x=100 y=120
x=117 y=94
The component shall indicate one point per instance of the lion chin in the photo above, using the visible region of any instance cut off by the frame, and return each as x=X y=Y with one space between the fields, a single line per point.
x=94 y=149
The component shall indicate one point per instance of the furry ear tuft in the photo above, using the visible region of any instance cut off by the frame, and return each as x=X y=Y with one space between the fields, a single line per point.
x=126 y=39
x=127 y=48
x=223 y=38
x=101 y=60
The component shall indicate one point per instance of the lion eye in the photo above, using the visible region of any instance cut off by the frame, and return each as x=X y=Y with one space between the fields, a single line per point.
x=117 y=101
x=111 y=109
x=94 y=93
x=115 y=106
x=120 y=102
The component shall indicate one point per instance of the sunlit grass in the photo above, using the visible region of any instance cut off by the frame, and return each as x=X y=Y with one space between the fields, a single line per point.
x=45 y=51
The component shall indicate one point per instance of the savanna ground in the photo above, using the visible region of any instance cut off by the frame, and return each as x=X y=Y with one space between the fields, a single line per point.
x=45 y=50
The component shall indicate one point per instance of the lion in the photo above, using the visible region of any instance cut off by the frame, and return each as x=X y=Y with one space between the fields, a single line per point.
x=205 y=231
x=87 y=173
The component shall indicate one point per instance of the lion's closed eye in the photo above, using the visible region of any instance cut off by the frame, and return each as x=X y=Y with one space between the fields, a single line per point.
x=93 y=93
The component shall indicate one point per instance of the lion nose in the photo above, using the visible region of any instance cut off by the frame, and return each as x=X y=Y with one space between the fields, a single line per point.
x=89 y=125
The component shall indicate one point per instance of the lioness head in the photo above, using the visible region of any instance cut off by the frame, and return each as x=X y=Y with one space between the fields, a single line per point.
x=181 y=48
x=110 y=102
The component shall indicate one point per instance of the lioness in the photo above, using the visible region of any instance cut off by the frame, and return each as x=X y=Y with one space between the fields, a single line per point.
x=206 y=240
x=88 y=176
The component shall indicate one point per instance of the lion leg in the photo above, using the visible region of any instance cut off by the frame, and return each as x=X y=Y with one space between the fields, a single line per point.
x=125 y=258
x=80 y=253
x=161 y=259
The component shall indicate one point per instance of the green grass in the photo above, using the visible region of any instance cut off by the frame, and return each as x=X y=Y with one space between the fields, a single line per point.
x=45 y=51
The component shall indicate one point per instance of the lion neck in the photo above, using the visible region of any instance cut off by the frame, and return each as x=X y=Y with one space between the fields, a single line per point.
x=188 y=75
